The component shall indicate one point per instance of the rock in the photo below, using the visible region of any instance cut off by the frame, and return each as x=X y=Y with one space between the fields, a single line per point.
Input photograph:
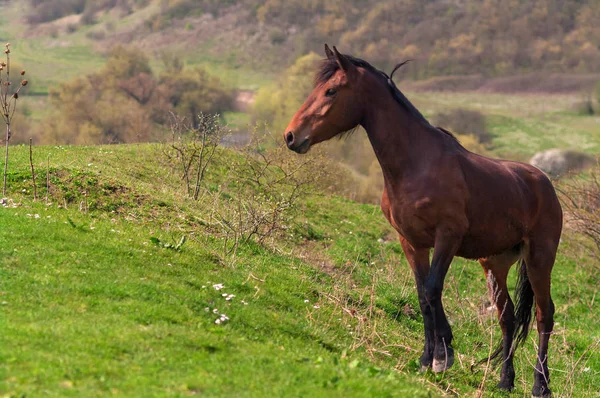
x=557 y=162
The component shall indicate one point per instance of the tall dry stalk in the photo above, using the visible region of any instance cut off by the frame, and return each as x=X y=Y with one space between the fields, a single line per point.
x=8 y=102
x=32 y=168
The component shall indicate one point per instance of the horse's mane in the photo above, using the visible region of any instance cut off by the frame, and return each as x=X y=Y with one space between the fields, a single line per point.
x=329 y=66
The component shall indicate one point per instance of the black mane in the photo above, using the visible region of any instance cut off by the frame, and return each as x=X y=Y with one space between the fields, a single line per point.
x=329 y=66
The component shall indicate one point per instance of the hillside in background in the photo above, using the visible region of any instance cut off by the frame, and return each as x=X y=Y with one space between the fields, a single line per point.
x=489 y=37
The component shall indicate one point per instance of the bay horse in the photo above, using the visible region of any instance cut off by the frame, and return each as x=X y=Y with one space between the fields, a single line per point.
x=440 y=196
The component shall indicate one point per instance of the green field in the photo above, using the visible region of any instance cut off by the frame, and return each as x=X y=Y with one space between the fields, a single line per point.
x=97 y=300
x=522 y=124
x=92 y=307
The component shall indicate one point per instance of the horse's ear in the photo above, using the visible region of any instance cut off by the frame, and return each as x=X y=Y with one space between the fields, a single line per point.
x=328 y=52
x=343 y=62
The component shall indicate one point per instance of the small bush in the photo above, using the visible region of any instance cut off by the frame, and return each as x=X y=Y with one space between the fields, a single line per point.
x=584 y=107
x=276 y=36
x=71 y=28
x=96 y=34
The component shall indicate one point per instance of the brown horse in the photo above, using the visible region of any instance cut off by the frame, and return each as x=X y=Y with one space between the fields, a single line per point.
x=439 y=195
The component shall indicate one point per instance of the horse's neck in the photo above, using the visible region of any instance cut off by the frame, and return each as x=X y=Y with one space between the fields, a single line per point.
x=402 y=142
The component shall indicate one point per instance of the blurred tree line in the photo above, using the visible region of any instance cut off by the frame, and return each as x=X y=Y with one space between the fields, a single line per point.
x=443 y=37
x=126 y=102
x=492 y=37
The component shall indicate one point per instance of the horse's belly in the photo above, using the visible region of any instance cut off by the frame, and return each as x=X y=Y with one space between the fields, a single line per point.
x=480 y=246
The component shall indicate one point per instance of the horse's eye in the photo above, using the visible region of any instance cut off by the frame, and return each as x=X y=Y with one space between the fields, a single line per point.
x=330 y=92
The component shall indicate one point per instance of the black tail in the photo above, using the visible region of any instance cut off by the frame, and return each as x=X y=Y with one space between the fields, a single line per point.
x=523 y=306
x=523 y=314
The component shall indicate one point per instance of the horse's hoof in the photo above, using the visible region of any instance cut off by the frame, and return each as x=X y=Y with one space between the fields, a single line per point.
x=424 y=368
x=508 y=387
x=541 y=392
x=441 y=365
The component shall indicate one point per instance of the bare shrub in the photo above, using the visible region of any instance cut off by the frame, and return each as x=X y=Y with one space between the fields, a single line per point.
x=580 y=197
x=192 y=149
x=254 y=193
x=8 y=102
x=263 y=190
x=464 y=121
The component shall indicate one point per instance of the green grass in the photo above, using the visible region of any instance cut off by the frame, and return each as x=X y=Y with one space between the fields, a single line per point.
x=92 y=307
x=522 y=124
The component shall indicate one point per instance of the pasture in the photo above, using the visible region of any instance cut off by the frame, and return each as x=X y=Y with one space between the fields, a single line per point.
x=115 y=283
x=96 y=300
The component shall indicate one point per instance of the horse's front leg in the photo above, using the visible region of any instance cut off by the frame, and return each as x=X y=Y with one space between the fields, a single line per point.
x=419 y=262
x=444 y=250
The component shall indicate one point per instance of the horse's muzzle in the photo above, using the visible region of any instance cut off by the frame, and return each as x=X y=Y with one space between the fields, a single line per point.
x=293 y=144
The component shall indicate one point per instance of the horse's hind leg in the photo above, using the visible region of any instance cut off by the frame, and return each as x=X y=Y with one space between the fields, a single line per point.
x=539 y=259
x=496 y=270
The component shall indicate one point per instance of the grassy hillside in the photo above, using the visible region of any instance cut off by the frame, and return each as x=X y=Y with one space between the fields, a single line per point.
x=95 y=302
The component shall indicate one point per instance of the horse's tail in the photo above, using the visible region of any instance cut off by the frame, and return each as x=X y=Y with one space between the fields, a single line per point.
x=524 y=304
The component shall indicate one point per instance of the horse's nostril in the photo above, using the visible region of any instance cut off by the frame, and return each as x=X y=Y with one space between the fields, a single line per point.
x=289 y=138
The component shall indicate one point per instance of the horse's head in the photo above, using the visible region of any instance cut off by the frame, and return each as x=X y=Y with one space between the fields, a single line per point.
x=333 y=106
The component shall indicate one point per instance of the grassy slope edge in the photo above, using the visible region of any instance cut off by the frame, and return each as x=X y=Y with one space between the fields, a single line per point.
x=91 y=307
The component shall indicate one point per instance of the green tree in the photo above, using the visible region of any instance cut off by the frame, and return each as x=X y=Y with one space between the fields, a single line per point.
x=124 y=102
